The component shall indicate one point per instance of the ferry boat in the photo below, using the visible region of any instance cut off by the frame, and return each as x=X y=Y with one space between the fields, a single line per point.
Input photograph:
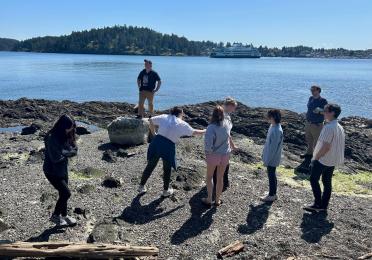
x=237 y=50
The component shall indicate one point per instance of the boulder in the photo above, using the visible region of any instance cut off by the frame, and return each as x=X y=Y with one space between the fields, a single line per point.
x=29 y=130
x=128 y=131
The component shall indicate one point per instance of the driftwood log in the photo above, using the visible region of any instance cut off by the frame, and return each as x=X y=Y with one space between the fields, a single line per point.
x=366 y=256
x=230 y=250
x=78 y=250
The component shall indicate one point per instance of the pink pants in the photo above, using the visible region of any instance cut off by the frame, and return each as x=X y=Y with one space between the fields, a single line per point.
x=218 y=159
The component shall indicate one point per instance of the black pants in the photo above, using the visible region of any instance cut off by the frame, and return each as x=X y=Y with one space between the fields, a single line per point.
x=151 y=165
x=326 y=172
x=271 y=173
x=226 y=182
x=61 y=185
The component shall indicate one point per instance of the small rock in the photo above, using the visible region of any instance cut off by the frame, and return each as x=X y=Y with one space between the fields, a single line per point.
x=109 y=156
x=86 y=188
x=122 y=153
x=81 y=130
x=111 y=182
x=104 y=233
x=29 y=130
x=3 y=226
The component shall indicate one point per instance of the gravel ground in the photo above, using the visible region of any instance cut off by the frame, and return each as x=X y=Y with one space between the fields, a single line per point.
x=180 y=226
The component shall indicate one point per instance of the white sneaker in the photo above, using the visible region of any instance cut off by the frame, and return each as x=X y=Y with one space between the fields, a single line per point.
x=59 y=221
x=142 y=189
x=167 y=193
x=70 y=221
x=3 y=226
x=269 y=198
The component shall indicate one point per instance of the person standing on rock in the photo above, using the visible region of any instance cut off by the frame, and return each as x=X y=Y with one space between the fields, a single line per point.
x=229 y=107
x=170 y=129
x=313 y=125
x=272 y=152
x=217 y=145
x=149 y=83
x=328 y=154
x=60 y=145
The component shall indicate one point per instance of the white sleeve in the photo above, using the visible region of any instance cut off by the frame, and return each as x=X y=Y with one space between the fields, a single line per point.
x=186 y=129
x=156 y=120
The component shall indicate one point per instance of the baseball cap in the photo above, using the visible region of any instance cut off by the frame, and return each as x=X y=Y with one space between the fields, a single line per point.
x=148 y=61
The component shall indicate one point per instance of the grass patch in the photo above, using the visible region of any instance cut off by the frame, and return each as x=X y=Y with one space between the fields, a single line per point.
x=358 y=184
x=86 y=174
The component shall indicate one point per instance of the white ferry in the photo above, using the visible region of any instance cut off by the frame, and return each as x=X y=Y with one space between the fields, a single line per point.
x=237 y=50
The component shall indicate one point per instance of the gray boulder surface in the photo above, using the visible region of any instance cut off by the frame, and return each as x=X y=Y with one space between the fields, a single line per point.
x=128 y=131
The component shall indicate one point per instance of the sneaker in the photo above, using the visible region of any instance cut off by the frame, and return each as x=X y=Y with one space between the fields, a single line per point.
x=142 y=189
x=167 y=193
x=59 y=221
x=269 y=198
x=3 y=226
x=314 y=208
x=70 y=221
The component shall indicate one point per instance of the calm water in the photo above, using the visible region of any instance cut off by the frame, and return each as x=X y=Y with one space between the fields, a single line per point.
x=269 y=82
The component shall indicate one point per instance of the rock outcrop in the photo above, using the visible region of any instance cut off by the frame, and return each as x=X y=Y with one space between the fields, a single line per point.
x=128 y=131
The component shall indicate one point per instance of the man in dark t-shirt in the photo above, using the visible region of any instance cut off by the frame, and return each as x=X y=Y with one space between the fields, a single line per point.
x=148 y=82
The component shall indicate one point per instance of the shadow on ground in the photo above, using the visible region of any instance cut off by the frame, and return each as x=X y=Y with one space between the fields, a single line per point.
x=140 y=214
x=314 y=226
x=256 y=219
x=200 y=219
x=44 y=237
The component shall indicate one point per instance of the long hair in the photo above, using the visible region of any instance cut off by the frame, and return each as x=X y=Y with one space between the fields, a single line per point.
x=59 y=130
x=217 y=115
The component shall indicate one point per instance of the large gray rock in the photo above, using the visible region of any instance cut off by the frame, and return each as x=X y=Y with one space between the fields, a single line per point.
x=128 y=131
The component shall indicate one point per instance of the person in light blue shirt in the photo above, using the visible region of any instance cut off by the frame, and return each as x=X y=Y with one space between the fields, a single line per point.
x=272 y=152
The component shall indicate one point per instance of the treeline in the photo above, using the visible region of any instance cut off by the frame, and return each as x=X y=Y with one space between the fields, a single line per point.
x=309 y=52
x=132 y=40
x=118 y=40
x=7 y=44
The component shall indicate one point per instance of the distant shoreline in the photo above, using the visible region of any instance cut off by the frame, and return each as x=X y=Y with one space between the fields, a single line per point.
x=205 y=56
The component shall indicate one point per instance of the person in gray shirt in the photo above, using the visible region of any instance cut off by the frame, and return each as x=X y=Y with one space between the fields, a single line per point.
x=272 y=152
x=217 y=146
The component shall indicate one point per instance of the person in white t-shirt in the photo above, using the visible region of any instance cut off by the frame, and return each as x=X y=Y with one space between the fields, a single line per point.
x=170 y=129
x=328 y=154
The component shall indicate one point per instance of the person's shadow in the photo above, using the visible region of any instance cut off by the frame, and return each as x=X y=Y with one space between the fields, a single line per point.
x=200 y=219
x=44 y=237
x=314 y=226
x=256 y=219
x=142 y=214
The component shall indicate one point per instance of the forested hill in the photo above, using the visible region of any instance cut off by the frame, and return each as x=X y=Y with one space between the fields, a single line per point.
x=7 y=44
x=144 y=41
x=118 y=40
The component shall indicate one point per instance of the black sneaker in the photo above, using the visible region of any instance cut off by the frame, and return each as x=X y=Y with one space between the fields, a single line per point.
x=314 y=208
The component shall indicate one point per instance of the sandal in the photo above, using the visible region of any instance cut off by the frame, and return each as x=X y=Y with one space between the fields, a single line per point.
x=219 y=203
x=206 y=202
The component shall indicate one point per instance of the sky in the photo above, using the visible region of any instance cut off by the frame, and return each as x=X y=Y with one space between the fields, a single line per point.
x=274 y=23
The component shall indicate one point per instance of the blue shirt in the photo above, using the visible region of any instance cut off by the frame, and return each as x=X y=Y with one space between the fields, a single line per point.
x=315 y=118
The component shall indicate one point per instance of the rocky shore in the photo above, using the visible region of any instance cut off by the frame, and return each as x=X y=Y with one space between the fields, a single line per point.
x=104 y=180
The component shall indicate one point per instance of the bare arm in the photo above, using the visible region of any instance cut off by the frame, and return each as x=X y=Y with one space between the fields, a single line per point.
x=138 y=83
x=232 y=144
x=323 y=150
x=199 y=132
x=157 y=86
x=152 y=127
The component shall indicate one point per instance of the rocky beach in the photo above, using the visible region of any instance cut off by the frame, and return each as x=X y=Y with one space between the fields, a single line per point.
x=104 y=179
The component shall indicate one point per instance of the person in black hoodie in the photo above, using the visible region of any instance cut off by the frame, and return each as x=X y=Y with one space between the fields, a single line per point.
x=60 y=144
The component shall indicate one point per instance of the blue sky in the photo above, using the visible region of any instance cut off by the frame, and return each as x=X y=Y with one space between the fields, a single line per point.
x=317 y=23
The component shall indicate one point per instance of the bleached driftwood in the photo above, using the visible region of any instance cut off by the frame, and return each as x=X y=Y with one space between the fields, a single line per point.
x=79 y=250
x=230 y=250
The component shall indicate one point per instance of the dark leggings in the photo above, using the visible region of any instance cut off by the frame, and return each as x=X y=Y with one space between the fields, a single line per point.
x=151 y=165
x=271 y=173
x=326 y=172
x=61 y=185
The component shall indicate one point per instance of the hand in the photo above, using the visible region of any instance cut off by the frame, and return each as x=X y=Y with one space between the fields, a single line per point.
x=235 y=149
x=312 y=164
